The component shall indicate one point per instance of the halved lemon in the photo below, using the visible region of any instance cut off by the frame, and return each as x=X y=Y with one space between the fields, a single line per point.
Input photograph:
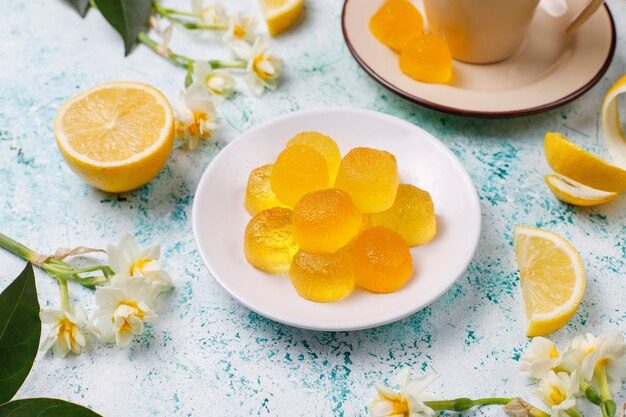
x=572 y=192
x=552 y=278
x=280 y=15
x=572 y=161
x=116 y=136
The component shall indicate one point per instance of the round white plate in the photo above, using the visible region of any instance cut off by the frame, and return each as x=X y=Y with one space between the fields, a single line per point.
x=549 y=70
x=219 y=219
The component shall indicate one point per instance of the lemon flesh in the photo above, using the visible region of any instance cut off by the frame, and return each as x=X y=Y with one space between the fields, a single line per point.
x=552 y=278
x=280 y=15
x=117 y=136
x=572 y=161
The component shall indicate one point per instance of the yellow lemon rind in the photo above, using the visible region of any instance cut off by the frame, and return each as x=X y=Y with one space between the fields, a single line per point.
x=571 y=192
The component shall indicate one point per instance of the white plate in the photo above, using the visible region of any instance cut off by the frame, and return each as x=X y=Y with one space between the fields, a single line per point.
x=219 y=219
x=549 y=70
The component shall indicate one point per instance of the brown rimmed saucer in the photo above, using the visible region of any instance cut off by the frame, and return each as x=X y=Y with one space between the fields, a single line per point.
x=548 y=71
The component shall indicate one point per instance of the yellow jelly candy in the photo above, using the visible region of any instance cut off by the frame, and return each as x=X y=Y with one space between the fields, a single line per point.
x=259 y=194
x=370 y=177
x=298 y=170
x=324 y=145
x=412 y=215
x=268 y=241
x=428 y=59
x=381 y=260
x=325 y=221
x=396 y=23
x=322 y=277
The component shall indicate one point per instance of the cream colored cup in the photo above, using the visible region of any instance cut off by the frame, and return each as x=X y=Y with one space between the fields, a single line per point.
x=486 y=31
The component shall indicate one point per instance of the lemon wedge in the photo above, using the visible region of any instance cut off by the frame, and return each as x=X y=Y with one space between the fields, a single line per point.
x=552 y=278
x=572 y=161
x=572 y=192
x=613 y=134
x=280 y=15
x=116 y=136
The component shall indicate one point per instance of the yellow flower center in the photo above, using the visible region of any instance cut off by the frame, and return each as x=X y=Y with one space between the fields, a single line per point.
x=66 y=327
x=554 y=353
x=198 y=119
x=139 y=265
x=239 y=32
x=557 y=396
x=400 y=405
x=261 y=74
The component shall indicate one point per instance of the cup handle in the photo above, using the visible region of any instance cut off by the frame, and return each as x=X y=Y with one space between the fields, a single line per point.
x=583 y=16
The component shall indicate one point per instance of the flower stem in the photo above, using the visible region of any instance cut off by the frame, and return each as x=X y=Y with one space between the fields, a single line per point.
x=65 y=296
x=170 y=14
x=462 y=404
x=18 y=249
x=176 y=59
x=590 y=392
x=228 y=64
x=573 y=412
x=608 y=404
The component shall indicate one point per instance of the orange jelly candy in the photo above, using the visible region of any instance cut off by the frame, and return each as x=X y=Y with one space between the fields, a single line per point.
x=370 y=177
x=325 y=221
x=323 y=144
x=322 y=277
x=428 y=59
x=299 y=169
x=381 y=260
x=396 y=23
x=268 y=241
x=259 y=194
x=412 y=215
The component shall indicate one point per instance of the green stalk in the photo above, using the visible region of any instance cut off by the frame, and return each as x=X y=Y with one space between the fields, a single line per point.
x=573 y=412
x=462 y=404
x=228 y=64
x=18 y=249
x=608 y=404
x=169 y=14
x=590 y=392
x=65 y=296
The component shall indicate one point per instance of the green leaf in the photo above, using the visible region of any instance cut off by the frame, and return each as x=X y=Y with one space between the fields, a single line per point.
x=44 y=407
x=81 y=6
x=20 y=329
x=128 y=17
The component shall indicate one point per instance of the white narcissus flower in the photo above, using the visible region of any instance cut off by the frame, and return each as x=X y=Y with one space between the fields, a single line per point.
x=65 y=335
x=581 y=355
x=212 y=15
x=408 y=402
x=219 y=82
x=263 y=67
x=558 y=391
x=239 y=35
x=542 y=357
x=613 y=357
x=128 y=258
x=197 y=121
x=123 y=308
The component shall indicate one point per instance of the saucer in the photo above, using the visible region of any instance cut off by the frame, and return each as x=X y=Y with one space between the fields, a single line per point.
x=219 y=219
x=550 y=69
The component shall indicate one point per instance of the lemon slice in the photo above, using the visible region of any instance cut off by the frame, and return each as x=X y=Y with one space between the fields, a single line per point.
x=572 y=161
x=572 y=192
x=116 y=136
x=552 y=278
x=613 y=134
x=280 y=15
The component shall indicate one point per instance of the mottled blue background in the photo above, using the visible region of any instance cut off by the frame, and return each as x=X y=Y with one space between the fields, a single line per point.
x=207 y=355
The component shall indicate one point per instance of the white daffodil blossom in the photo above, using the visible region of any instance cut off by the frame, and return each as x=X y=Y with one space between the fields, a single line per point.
x=240 y=34
x=219 y=82
x=211 y=15
x=198 y=120
x=123 y=308
x=128 y=258
x=541 y=358
x=581 y=355
x=65 y=335
x=612 y=358
x=408 y=402
x=263 y=67
x=558 y=391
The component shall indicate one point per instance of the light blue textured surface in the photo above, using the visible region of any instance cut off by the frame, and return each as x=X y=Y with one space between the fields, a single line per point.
x=207 y=355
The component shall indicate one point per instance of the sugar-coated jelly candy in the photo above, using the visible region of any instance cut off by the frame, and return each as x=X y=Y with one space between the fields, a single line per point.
x=325 y=221
x=412 y=215
x=325 y=145
x=381 y=260
x=299 y=169
x=396 y=23
x=322 y=277
x=428 y=59
x=370 y=177
x=268 y=240
x=259 y=194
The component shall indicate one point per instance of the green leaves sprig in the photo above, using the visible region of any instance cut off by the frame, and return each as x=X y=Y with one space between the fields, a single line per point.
x=20 y=330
